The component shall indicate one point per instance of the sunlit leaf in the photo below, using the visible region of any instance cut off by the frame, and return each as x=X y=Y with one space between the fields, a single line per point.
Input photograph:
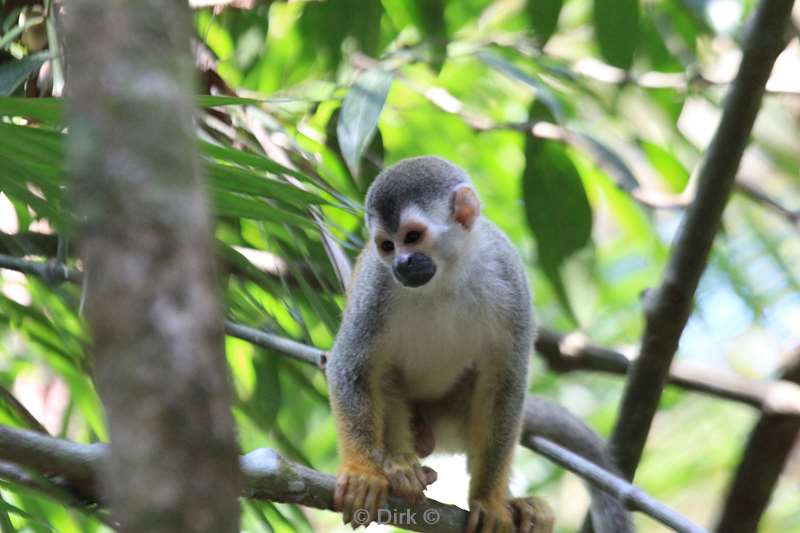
x=358 y=119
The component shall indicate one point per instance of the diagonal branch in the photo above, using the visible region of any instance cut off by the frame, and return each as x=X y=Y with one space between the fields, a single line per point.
x=668 y=307
x=768 y=448
x=21 y=411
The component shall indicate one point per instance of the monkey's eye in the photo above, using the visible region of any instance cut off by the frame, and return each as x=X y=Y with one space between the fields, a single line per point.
x=412 y=236
x=387 y=246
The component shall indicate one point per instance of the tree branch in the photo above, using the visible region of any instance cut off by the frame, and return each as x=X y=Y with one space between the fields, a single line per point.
x=269 y=476
x=567 y=353
x=768 y=448
x=49 y=271
x=293 y=349
x=669 y=306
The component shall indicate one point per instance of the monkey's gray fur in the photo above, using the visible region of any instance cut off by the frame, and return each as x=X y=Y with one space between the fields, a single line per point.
x=453 y=347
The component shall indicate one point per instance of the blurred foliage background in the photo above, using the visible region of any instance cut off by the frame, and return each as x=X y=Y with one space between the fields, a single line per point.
x=581 y=123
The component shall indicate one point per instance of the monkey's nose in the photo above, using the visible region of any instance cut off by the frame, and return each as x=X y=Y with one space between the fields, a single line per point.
x=414 y=270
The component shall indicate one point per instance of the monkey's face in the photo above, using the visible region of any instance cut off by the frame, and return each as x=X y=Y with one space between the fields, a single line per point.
x=409 y=250
x=427 y=243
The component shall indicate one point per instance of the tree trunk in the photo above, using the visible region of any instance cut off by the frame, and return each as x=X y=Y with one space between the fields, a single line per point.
x=152 y=300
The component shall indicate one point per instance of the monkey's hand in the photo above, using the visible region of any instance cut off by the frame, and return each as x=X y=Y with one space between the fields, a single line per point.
x=532 y=515
x=520 y=515
x=361 y=489
x=407 y=477
x=490 y=515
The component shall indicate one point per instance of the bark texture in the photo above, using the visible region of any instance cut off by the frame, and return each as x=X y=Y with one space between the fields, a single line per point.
x=768 y=449
x=152 y=300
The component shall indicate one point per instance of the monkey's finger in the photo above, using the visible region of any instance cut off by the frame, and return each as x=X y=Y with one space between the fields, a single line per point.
x=525 y=526
x=416 y=485
x=341 y=490
x=359 y=510
x=372 y=500
x=524 y=516
x=422 y=478
x=473 y=521
x=348 y=507
x=383 y=500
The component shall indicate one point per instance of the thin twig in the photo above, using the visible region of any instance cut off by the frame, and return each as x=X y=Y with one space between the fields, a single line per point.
x=50 y=271
x=54 y=488
x=282 y=345
x=759 y=196
x=668 y=307
x=573 y=352
x=21 y=411
x=632 y=496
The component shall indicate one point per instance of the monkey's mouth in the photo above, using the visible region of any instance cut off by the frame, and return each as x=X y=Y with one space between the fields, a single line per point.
x=415 y=280
x=414 y=271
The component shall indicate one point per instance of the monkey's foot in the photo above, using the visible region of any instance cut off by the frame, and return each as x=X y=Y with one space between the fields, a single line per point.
x=532 y=515
x=490 y=515
x=407 y=477
x=361 y=489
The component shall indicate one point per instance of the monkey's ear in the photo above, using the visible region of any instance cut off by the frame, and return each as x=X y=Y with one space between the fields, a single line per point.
x=466 y=206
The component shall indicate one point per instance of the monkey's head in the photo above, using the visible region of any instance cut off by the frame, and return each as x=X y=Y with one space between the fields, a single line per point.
x=420 y=213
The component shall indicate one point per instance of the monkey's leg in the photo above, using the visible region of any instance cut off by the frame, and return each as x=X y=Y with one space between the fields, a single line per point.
x=494 y=425
x=361 y=485
x=408 y=478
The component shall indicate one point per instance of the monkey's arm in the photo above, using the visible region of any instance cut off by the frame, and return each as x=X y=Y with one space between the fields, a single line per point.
x=358 y=410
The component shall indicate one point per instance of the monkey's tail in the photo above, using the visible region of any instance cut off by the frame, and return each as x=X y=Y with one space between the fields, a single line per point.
x=551 y=421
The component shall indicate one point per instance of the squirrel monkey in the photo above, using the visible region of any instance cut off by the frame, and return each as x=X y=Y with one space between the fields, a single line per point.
x=433 y=351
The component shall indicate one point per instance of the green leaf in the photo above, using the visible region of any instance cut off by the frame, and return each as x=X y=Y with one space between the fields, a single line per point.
x=266 y=398
x=47 y=110
x=429 y=16
x=14 y=72
x=557 y=210
x=543 y=93
x=256 y=161
x=234 y=205
x=205 y=100
x=617 y=30
x=607 y=159
x=358 y=120
x=671 y=169
x=235 y=179
x=543 y=16
x=326 y=25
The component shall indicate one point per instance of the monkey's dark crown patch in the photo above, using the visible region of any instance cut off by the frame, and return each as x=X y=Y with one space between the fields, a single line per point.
x=425 y=180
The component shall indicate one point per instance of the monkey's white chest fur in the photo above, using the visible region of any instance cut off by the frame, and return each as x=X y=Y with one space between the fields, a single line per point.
x=432 y=338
